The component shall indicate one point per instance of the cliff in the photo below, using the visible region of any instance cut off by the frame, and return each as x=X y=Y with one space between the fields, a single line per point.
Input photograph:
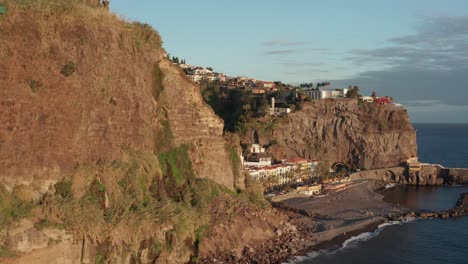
x=108 y=153
x=76 y=88
x=357 y=134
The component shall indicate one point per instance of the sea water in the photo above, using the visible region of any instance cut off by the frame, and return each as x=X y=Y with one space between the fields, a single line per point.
x=416 y=241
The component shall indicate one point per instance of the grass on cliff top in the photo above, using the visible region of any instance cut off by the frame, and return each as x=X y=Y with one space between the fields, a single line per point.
x=49 y=16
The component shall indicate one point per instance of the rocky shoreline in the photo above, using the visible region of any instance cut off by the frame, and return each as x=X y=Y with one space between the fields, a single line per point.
x=460 y=209
x=304 y=233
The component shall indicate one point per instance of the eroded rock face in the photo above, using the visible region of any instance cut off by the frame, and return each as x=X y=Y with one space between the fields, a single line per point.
x=458 y=176
x=79 y=93
x=194 y=122
x=342 y=130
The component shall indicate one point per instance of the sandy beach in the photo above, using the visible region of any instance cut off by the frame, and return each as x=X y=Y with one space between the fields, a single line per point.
x=342 y=214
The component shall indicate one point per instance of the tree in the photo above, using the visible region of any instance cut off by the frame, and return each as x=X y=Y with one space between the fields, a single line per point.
x=175 y=60
x=353 y=92
x=323 y=168
x=374 y=94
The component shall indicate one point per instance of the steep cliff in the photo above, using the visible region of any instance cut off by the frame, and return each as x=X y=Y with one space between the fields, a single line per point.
x=362 y=135
x=77 y=85
x=107 y=151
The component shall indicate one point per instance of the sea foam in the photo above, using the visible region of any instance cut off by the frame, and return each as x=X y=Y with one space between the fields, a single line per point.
x=352 y=242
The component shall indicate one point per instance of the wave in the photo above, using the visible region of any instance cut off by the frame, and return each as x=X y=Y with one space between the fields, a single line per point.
x=352 y=242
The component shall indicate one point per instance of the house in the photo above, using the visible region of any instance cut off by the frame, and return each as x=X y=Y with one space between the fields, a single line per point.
x=268 y=85
x=301 y=166
x=258 y=91
x=257 y=160
x=335 y=187
x=195 y=77
x=278 y=109
x=310 y=190
x=413 y=164
x=367 y=99
x=256 y=148
x=280 y=173
x=326 y=93
x=254 y=173
x=383 y=100
x=296 y=161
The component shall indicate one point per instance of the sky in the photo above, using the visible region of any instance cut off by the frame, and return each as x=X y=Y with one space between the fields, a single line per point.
x=415 y=51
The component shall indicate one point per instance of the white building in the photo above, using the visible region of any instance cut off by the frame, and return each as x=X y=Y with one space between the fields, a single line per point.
x=367 y=99
x=195 y=77
x=326 y=93
x=281 y=173
x=256 y=148
x=202 y=71
x=258 y=162
x=278 y=111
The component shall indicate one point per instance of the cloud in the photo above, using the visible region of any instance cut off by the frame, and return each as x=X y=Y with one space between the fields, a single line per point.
x=418 y=103
x=441 y=43
x=437 y=29
x=427 y=70
x=299 y=64
x=305 y=71
x=284 y=43
x=282 y=51
x=279 y=47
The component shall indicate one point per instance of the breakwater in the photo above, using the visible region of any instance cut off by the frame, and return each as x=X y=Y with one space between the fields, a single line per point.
x=460 y=209
x=430 y=174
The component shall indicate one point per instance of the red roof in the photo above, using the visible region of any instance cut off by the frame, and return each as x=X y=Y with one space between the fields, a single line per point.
x=296 y=160
x=383 y=100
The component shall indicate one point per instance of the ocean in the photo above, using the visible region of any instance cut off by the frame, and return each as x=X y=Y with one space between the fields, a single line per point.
x=416 y=241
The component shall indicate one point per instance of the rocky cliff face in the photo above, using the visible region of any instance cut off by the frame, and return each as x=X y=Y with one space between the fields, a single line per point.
x=105 y=146
x=366 y=135
x=75 y=89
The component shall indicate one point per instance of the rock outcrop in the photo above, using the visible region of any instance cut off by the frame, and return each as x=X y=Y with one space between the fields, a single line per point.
x=341 y=130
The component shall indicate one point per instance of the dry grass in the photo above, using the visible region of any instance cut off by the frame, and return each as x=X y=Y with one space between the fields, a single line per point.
x=95 y=22
x=136 y=211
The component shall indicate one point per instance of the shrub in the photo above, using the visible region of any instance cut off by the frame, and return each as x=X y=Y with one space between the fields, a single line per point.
x=11 y=208
x=99 y=259
x=47 y=224
x=6 y=253
x=164 y=139
x=68 y=69
x=158 y=86
x=34 y=85
x=63 y=188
